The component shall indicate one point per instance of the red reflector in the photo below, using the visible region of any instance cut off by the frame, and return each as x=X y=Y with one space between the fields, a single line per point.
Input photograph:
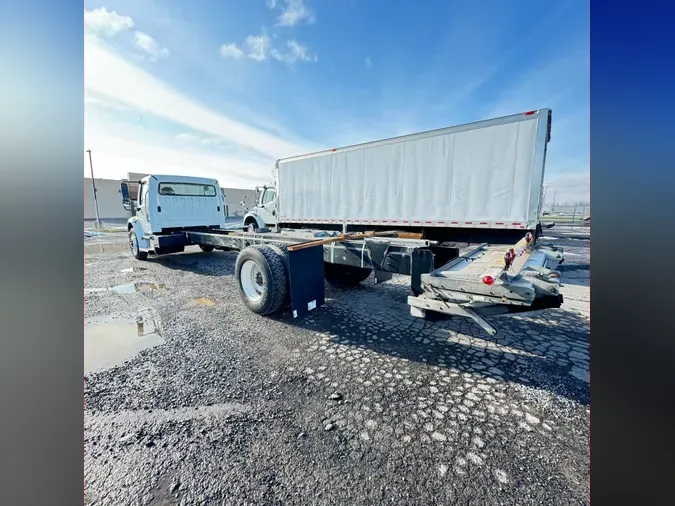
x=530 y=113
x=334 y=149
x=488 y=280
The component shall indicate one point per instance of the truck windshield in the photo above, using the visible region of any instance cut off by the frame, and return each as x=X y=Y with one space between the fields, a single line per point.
x=187 y=189
x=269 y=196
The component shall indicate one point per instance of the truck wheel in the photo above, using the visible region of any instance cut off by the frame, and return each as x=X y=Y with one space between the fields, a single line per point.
x=206 y=248
x=344 y=276
x=262 y=279
x=135 y=249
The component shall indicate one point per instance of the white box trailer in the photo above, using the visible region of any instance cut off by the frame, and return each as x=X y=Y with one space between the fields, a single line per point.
x=488 y=174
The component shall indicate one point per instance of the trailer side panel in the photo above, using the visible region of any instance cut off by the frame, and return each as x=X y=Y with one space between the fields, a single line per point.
x=482 y=175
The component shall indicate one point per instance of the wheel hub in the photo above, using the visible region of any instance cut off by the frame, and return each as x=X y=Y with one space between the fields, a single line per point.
x=252 y=281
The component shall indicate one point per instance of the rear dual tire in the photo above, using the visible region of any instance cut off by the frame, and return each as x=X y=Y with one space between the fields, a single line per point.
x=262 y=278
x=345 y=276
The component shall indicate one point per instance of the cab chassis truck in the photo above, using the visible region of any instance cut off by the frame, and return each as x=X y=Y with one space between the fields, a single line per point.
x=450 y=272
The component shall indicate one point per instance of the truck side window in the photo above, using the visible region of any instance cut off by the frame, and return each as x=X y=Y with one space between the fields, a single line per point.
x=269 y=196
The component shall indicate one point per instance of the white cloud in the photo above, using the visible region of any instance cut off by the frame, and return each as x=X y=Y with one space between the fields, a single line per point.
x=146 y=43
x=108 y=75
x=294 y=13
x=271 y=3
x=231 y=51
x=104 y=104
x=259 y=46
x=212 y=141
x=187 y=137
x=369 y=62
x=194 y=139
x=109 y=23
x=296 y=52
x=116 y=153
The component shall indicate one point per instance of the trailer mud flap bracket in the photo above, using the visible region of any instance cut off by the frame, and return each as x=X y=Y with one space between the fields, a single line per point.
x=420 y=305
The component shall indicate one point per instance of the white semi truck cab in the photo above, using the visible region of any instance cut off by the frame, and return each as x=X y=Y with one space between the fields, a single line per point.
x=264 y=213
x=165 y=206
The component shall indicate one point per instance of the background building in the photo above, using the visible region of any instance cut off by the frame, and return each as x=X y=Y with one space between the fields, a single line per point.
x=110 y=199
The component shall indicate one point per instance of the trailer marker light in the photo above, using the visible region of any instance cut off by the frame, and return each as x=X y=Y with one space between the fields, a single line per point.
x=488 y=280
x=530 y=113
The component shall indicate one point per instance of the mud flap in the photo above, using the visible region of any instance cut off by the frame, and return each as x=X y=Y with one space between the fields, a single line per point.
x=306 y=280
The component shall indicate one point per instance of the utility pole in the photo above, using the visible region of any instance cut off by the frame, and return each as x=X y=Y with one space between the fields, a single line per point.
x=93 y=184
x=552 y=205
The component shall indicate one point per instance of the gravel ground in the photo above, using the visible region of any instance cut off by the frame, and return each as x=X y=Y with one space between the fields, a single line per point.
x=358 y=404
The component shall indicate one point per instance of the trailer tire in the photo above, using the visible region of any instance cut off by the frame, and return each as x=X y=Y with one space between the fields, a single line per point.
x=262 y=279
x=206 y=248
x=345 y=276
x=135 y=249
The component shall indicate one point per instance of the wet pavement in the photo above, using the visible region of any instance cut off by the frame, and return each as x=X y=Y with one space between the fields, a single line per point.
x=110 y=341
x=357 y=404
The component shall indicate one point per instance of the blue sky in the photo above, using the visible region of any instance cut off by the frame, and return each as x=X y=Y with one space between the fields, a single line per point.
x=223 y=88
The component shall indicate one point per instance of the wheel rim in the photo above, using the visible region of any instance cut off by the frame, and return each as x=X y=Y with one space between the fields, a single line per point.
x=251 y=227
x=133 y=244
x=252 y=281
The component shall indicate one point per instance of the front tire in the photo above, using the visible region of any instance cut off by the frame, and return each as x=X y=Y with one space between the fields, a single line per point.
x=206 y=248
x=262 y=279
x=134 y=247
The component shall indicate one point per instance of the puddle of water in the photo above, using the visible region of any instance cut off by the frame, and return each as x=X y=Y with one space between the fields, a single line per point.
x=109 y=247
x=110 y=341
x=200 y=301
x=139 y=286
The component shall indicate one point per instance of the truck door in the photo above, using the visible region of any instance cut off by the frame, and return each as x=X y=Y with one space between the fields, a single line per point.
x=267 y=209
x=142 y=210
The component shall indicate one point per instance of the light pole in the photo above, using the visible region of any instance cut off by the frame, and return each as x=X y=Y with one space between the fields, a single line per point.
x=93 y=184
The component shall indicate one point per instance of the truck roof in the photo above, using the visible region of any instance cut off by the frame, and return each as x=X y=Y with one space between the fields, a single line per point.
x=181 y=179
x=428 y=133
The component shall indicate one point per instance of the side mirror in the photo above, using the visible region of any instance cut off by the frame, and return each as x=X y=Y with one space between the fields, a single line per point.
x=126 y=200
